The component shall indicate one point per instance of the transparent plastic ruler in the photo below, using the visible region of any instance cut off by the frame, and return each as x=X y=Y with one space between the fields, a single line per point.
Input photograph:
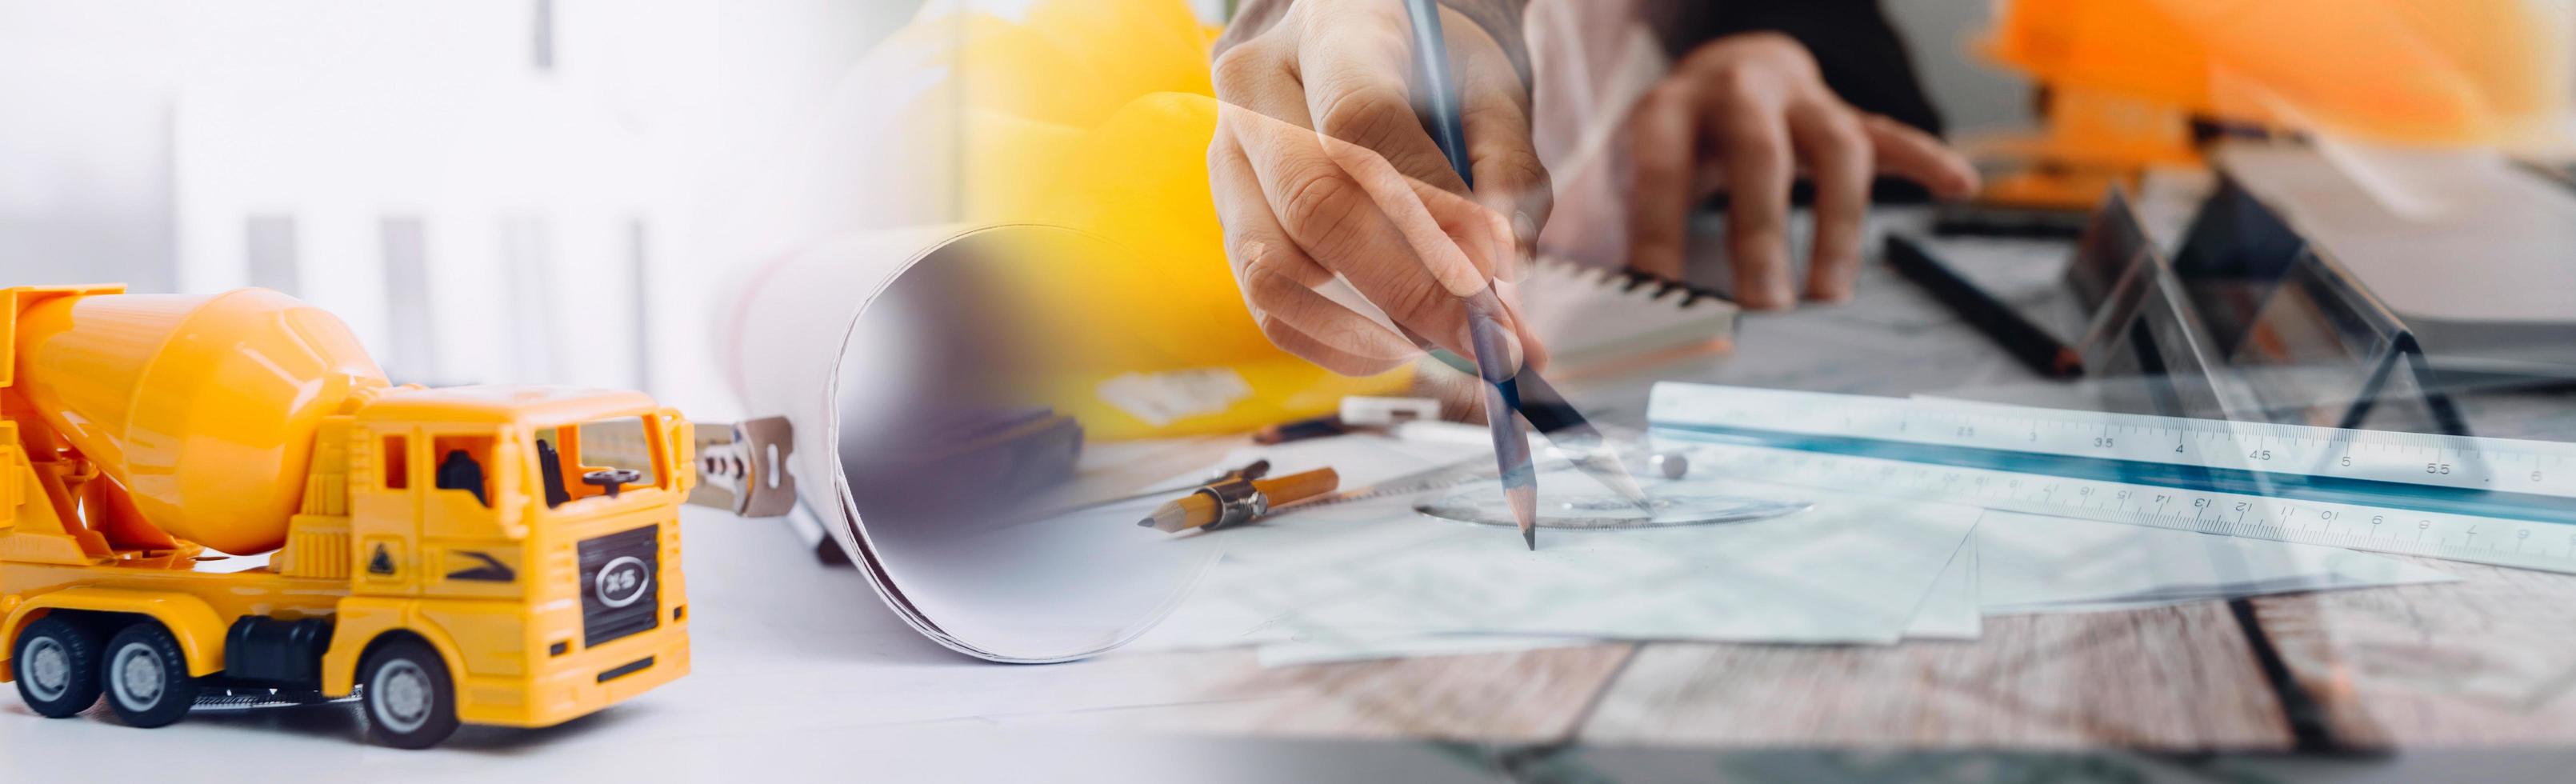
x=1429 y=479
x=2499 y=501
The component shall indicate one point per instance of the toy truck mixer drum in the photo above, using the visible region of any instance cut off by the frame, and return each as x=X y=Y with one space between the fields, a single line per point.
x=202 y=409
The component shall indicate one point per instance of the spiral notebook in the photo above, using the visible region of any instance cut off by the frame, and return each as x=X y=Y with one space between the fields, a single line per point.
x=1593 y=317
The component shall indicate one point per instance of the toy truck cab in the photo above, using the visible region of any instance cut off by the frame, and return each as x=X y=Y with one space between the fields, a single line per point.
x=529 y=536
x=486 y=555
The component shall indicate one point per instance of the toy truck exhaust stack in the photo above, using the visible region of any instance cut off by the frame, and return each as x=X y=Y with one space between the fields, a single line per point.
x=486 y=555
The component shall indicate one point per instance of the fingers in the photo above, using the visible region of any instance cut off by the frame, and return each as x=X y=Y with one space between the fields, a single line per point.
x=1461 y=395
x=1323 y=174
x=1509 y=178
x=1301 y=321
x=1354 y=77
x=1746 y=112
x=1664 y=140
x=1753 y=137
x=1905 y=152
x=1279 y=281
x=1321 y=204
x=1533 y=351
x=1839 y=162
x=1455 y=240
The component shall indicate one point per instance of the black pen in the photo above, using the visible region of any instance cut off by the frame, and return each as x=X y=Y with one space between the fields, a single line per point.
x=2027 y=342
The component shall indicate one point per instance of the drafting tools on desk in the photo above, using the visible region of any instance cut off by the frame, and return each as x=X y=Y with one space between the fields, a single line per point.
x=1446 y=475
x=1300 y=430
x=1371 y=411
x=1511 y=447
x=1507 y=389
x=2054 y=326
x=1382 y=577
x=1428 y=479
x=1559 y=508
x=2308 y=345
x=2489 y=500
x=2324 y=351
x=2043 y=352
x=1252 y=470
x=1237 y=499
x=2231 y=256
x=1555 y=418
x=1981 y=219
x=2560 y=172
x=1357 y=411
x=2496 y=302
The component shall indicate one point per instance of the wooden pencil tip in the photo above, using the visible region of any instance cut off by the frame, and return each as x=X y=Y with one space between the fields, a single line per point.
x=1167 y=518
x=1524 y=503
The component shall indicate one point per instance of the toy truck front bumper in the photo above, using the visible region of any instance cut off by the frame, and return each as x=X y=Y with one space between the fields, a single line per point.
x=577 y=685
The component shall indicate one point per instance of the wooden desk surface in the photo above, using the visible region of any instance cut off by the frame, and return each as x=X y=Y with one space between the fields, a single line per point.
x=2483 y=662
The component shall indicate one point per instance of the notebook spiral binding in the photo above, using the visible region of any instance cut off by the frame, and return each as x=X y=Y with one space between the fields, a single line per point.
x=1629 y=280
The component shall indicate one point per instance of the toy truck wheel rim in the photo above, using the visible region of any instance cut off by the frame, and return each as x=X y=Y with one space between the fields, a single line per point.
x=136 y=674
x=404 y=706
x=410 y=700
x=58 y=667
x=49 y=669
x=147 y=676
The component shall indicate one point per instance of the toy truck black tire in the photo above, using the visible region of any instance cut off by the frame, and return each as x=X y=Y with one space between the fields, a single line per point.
x=56 y=662
x=146 y=676
x=409 y=700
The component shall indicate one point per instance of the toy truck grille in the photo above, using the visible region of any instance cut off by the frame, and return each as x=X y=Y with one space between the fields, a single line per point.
x=619 y=596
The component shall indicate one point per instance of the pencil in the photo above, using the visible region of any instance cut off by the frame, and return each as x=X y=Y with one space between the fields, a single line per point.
x=1443 y=115
x=1199 y=509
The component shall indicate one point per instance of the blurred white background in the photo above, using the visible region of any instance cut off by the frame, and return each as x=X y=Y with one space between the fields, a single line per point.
x=487 y=190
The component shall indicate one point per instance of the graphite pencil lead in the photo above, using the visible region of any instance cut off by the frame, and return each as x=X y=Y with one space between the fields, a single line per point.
x=1524 y=503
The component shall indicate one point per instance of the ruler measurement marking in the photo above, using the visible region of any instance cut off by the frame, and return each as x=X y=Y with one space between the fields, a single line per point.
x=2455 y=478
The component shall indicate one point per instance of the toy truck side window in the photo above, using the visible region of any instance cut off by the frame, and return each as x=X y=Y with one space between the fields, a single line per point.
x=384 y=507
x=600 y=457
x=397 y=451
x=463 y=463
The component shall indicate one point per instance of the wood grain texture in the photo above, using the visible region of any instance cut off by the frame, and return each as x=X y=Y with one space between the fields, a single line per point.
x=2168 y=679
x=1531 y=697
x=2487 y=661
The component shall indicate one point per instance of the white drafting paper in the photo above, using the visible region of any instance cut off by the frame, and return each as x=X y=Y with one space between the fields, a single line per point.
x=1373 y=579
x=1852 y=570
x=2039 y=563
x=1361 y=459
x=1949 y=610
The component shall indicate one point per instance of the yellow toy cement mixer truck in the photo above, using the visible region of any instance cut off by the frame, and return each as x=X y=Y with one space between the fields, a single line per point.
x=486 y=555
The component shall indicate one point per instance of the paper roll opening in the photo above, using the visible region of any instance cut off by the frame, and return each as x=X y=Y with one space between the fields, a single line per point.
x=937 y=384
